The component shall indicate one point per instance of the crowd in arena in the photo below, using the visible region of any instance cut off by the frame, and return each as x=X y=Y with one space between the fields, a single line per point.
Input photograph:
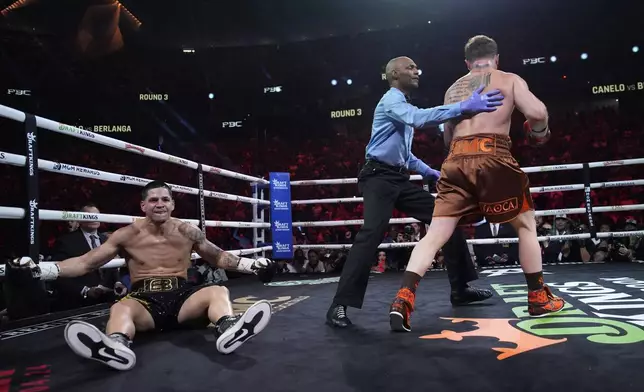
x=598 y=135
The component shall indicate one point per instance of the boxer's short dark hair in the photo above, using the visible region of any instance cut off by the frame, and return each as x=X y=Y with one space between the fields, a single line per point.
x=154 y=185
x=480 y=47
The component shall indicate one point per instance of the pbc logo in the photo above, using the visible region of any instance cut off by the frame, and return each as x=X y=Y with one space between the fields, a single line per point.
x=534 y=61
x=231 y=124
x=276 y=89
x=12 y=91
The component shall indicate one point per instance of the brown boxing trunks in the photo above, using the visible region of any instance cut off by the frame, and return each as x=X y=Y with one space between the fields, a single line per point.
x=480 y=178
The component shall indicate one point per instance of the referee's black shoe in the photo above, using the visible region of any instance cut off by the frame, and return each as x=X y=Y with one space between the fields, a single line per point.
x=467 y=295
x=337 y=316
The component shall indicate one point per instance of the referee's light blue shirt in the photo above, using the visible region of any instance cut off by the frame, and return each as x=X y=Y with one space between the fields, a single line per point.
x=392 y=132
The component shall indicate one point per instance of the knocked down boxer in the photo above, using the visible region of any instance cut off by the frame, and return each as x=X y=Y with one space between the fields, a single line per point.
x=158 y=250
x=481 y=178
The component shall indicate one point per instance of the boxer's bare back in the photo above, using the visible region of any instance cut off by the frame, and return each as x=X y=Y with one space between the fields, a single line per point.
x=513 y=88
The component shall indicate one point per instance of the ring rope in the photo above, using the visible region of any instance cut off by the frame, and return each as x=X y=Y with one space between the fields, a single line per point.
x=80 y=171
x=120 y=262
x=395 y=221
x=485 y=241
x=542 y=189
x=532 y=169
x=79 y=133
x=56 y=215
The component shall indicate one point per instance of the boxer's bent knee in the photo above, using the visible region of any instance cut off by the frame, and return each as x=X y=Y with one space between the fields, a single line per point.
x=131 y=311
x=199 y=303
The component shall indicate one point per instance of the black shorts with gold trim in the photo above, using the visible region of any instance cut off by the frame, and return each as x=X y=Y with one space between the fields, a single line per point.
x=163 y=297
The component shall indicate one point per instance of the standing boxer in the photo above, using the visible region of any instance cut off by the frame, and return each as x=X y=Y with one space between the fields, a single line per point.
x=384 y=183
x=481 y=178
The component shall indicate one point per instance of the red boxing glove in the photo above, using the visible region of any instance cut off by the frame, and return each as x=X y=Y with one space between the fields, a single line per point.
x=536 y=137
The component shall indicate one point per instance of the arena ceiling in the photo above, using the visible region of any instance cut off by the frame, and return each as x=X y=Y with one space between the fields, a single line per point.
x=206 y=23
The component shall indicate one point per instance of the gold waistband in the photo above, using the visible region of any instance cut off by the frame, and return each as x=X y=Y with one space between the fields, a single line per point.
x=481 y=144
x=157 y=284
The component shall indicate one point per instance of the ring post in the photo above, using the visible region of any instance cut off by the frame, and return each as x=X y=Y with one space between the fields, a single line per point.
x=26 y=296
x=426 y=189
x=255 y=212
x=281 y=218
x=219 y=275
x=202 y=207
x=32 y=215
x=258 y=217
x=262 y=219
x=589 y=203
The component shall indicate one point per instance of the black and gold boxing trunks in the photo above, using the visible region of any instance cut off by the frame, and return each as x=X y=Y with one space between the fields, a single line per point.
x=163 y=297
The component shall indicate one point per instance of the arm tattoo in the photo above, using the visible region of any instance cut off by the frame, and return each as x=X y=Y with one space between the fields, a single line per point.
x=464 y=87
x=206 y=249
x=192 y=233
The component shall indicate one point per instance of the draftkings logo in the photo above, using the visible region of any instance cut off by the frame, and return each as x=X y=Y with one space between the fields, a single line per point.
x=280 y=205
x=31 y=139
x=180 y=161
x=79 y=216
x=277 y=184
x=76 y=130
x=281 y=226
x=282 y=247
x=33 y=208
x=529 y=334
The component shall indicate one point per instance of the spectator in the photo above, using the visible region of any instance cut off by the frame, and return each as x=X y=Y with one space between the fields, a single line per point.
x=488 y=255
x=313 y=264
x=95 y=287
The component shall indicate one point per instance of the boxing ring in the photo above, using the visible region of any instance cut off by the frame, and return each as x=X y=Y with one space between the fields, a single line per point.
x=492 y=346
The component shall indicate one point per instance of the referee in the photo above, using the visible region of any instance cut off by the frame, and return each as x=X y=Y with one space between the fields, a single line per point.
x=384 y=183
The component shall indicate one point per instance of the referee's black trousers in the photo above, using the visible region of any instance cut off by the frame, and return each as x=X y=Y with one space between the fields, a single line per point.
x=385 y=188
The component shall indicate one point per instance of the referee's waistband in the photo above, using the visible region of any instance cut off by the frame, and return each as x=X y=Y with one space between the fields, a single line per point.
x=377 y=163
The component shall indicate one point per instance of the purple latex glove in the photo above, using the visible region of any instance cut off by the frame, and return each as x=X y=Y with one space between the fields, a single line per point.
x=478 y=103
x=432 y=174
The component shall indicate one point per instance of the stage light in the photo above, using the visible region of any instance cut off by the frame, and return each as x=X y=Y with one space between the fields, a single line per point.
x=553 y=59
x=420 y=72
x=584 y=56
x=564 y=77
x=211 y=95
x=429 y=22
x=636 y=49
x=349 y=82
x=334 y=82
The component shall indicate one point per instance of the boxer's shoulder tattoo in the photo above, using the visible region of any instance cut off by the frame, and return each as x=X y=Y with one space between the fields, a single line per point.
x=192 y=233
x=465 y=86
x=206 y=249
